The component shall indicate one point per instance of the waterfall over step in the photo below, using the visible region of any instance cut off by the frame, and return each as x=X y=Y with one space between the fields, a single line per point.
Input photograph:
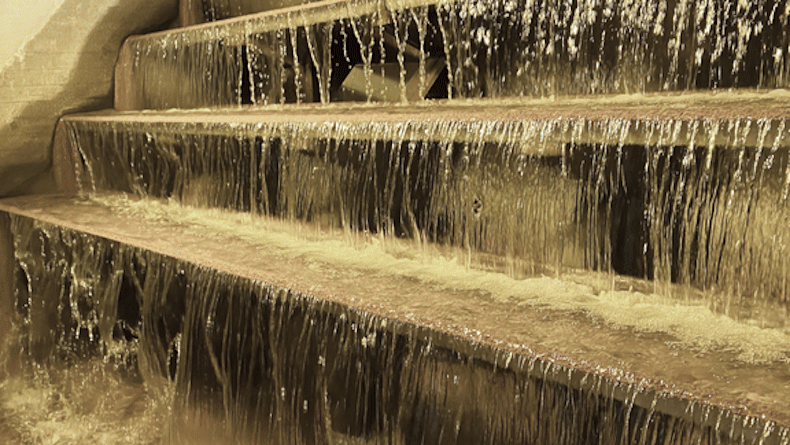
x=416 y=222
x=491 y=49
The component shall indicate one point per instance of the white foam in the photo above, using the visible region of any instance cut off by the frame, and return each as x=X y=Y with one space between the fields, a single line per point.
x=84 y=404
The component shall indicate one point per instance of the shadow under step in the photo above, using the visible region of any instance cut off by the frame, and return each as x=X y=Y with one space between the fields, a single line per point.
x=341 y=333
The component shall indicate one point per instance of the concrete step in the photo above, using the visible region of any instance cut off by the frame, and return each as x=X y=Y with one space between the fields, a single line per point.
x=337 y=332
x=352 y=50
x=627 y=183
x=528 y=127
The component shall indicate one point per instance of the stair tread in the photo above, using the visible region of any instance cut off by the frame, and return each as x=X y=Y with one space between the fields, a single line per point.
x=563 y=322
x=741 y=104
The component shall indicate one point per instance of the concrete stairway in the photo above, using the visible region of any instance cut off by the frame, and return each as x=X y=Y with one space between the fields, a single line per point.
x=418 y=272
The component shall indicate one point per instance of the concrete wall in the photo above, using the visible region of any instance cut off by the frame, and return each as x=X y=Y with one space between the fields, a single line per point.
x=56 y=57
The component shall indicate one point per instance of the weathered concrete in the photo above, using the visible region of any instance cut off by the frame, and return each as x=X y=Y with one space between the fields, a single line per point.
x=63 y=169
x=65 y=67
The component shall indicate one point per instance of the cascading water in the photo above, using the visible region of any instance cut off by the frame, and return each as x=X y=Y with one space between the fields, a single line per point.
x=700 y=202
x=491 y=49
x=460 y=183
x=432 y=273
x=226 y=358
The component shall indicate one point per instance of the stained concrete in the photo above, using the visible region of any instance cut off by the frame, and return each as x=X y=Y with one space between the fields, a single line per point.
x=65 y=67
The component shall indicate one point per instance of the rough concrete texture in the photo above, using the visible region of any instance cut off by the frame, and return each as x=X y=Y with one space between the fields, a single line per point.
x=65 y=67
